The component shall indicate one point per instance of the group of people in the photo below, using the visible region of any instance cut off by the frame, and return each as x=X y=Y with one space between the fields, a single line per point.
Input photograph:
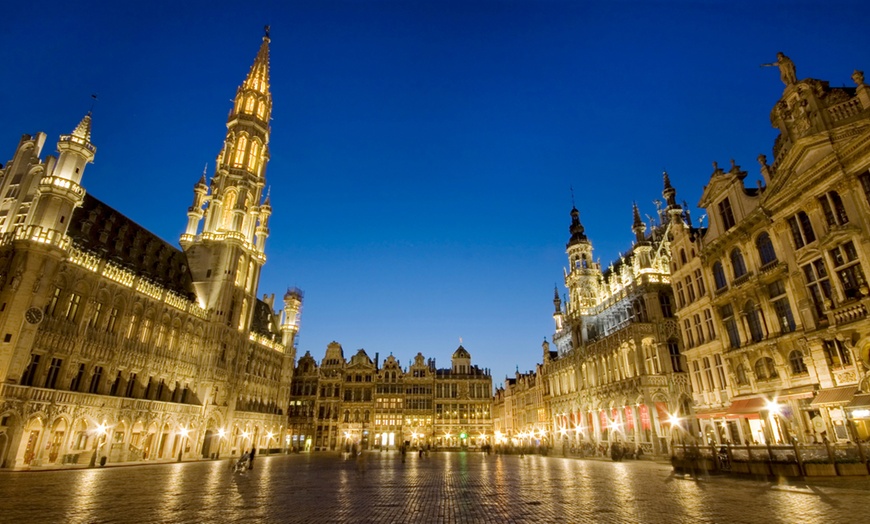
x=245 y=462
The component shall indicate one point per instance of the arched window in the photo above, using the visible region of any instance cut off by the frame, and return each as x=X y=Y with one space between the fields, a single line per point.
x=249 y=105
x=719 y=276
x=737 y=263
x=765 y=369
x=765 y=249
x=796 y=360
x=753 y=321
x=254 y=156
x=229 y=203
x=261 y=110
x=683 y=256
x=241 y=147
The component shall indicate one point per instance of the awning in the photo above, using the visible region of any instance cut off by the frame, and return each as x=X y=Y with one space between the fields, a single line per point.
x=710 y=413
x=746 y=408
x=861 y=400
x=839 y=395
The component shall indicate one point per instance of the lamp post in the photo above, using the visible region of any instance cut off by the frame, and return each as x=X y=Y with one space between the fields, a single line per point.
x=101 y=431
x=184 y=432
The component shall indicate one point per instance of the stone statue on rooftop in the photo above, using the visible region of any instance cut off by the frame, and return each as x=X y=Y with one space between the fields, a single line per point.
x=786 y=69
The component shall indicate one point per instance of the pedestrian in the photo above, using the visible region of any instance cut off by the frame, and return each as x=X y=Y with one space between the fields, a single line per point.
x=251 y=458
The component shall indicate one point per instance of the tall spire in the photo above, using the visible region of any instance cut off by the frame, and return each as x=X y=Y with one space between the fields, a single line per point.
x=669 y=192
x=258 y=76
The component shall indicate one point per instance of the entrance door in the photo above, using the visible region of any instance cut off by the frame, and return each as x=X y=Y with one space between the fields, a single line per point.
x=30 y=451
x=206 y=443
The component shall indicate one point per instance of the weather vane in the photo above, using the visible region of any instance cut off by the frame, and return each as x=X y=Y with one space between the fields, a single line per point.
x=93 y=101
x=266 y=28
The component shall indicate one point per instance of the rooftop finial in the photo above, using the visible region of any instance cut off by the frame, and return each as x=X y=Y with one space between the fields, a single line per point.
x=572 y=196
x=266 y=30
x=93 y=102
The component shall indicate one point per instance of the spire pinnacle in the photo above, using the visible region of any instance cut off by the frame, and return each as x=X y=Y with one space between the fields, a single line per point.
x=258 y=76
x=669 y=192
x=83 y=130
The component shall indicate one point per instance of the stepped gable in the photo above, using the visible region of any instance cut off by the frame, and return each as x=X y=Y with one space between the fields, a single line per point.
x=100 y=229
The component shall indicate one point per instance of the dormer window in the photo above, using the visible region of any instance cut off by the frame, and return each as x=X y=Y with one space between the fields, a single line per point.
x=726 y=214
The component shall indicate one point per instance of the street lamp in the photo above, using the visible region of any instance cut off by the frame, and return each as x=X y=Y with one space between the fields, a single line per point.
x=183 y=432
x=100 y=431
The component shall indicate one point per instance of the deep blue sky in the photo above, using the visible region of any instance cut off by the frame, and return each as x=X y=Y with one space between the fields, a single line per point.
x=422 y=152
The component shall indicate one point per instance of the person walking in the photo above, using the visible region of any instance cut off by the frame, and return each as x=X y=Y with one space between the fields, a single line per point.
x=251 y=458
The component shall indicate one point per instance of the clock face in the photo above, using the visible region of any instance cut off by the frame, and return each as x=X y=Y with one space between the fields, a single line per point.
x=33 y=315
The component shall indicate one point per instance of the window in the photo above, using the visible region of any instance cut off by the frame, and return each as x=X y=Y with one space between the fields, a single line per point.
x=95 y=380
x=690 y=289
x=249 y=105
x=801 y=230
x=696 y=372
x=51 y=307
x=687 y=331
x=30 y=371
x=699 y=329
x=818 y=285
x=652 y=361
x=114 y=389
x=95 y=318
x=254 y=157
x=776 y=291
x=131 y=386
x=765 y=369
x=832 y=208
x=796 y=361
x=708 y=320
x=727 y=314
x=681 y=297
x=836 y=354
x=76 y=383
x=241 y=147
x=726 y=214
x=754 y=321
x=708 y=374
x=665 y=303
x=864 y=179
x=765 y=249
x=676 y=358
x=848 y=269
x=737 y=263
x=682 y=256
x=53 y=372
x=720 y=370
x=261 y=110
x=72 y=308
x=719 y=276
x=699 y=282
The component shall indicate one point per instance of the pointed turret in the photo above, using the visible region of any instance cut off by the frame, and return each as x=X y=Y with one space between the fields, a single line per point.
x=557 y=303
x=673 y=210
x=60 y=193
x=576 y=229
x=258 y=76
x=637 y=224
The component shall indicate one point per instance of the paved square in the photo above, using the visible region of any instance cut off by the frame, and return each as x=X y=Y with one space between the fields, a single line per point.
x=444 y=487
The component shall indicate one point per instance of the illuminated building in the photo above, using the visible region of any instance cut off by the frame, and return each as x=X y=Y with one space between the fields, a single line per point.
x=359 y=402
x=772 y=294
x=118 y=345
x=617 y=373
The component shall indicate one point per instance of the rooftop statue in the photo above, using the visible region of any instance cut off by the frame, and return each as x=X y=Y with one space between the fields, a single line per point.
x=786 y=69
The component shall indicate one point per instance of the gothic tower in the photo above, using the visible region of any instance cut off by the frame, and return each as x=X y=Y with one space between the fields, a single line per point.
x=228 y=222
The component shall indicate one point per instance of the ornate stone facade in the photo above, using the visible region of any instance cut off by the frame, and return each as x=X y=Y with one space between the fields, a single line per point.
x=359 y=402
x=773 y=298
x=119 y=346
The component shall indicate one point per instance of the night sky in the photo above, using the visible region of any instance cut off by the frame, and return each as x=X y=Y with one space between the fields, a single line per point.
x=422 y=153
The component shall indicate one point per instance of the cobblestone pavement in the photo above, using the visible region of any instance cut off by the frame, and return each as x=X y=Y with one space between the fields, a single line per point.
x=444 y=487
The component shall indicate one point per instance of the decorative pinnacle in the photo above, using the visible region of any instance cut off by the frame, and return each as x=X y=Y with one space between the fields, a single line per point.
x=83 y=130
